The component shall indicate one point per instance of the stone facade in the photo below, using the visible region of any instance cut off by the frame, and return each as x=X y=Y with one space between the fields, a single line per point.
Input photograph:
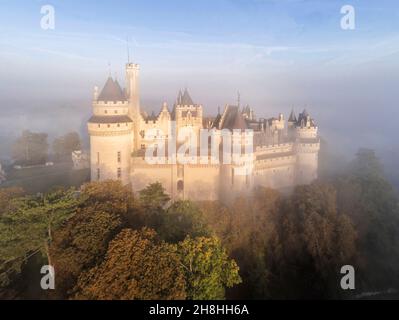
x=284 y=154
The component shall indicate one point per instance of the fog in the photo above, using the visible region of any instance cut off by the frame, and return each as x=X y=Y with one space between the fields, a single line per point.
x=279 y=56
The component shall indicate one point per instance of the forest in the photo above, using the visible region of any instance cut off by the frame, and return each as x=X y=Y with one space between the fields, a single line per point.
x=107 y=242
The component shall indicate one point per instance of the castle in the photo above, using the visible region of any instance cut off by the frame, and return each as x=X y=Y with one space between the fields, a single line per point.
x=283 y=154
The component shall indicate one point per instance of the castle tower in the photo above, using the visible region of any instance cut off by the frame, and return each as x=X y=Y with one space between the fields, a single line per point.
x=187 y=114
x=111 y=134
x=307 y=148
x=133 y=98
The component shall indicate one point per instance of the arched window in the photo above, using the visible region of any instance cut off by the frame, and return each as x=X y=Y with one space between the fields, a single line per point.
x=180 y=185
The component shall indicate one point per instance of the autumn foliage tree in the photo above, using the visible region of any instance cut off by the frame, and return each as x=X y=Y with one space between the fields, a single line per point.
x=137 y=266
x=83 y=241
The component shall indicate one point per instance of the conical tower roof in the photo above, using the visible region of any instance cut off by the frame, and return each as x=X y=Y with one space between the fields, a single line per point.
x=186 y=99
x=112 y=91
x=292 y=117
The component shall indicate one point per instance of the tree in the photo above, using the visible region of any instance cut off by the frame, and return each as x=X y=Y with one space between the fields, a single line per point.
x=8 y=194
x=30 y=149
x=366 y=196
x=137 y=266
x=207 y=267
x=3 y=176
x=65 y=145
x=153 y=200
x=312 y=243
x=27 y=226
x=253 y=226
x=182 y=218
x=83 y=241
x=154 y=196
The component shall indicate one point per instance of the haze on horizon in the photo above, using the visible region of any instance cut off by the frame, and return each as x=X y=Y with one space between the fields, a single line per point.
x=279 y=54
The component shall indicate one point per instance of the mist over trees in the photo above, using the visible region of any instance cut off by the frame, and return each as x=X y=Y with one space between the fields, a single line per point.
x=109 y=243
x=30 y=149
x=64 y=146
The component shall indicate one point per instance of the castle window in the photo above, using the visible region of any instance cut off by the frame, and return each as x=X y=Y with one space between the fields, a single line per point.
x=142 y=146
x=119 y=157
x=98 y=174
x=180 y=186
x=119 y=173
x=118 y=125
x=99 y=125
x=105 y=111
x=109 y=126
x=116 y=111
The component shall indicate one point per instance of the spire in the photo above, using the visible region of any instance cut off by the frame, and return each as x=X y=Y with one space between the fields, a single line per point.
x=165 y=107
x=128 y=50
x=292 y=117
x=186 y=99
x=179 y=97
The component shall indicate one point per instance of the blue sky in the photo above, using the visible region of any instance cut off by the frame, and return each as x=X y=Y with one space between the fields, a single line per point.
x=279 y=54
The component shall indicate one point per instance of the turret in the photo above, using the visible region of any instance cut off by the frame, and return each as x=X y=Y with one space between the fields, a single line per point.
x=186 y=113
x=133 y=97
x=111 y=134
x=307 y=147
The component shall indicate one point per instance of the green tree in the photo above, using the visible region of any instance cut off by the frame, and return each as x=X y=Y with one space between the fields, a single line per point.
x=30 y=148
x=207 y=267
x=27 y=225
x=153 y=200
x=8 y=194
x=154 y=196
x=182 y=218
x=137 y=266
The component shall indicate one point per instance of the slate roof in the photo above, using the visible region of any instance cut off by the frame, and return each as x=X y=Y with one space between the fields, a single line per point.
x=185 y=98
x=292 y=117
x=110 y=119
x=112 y=91
x=233 y=119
